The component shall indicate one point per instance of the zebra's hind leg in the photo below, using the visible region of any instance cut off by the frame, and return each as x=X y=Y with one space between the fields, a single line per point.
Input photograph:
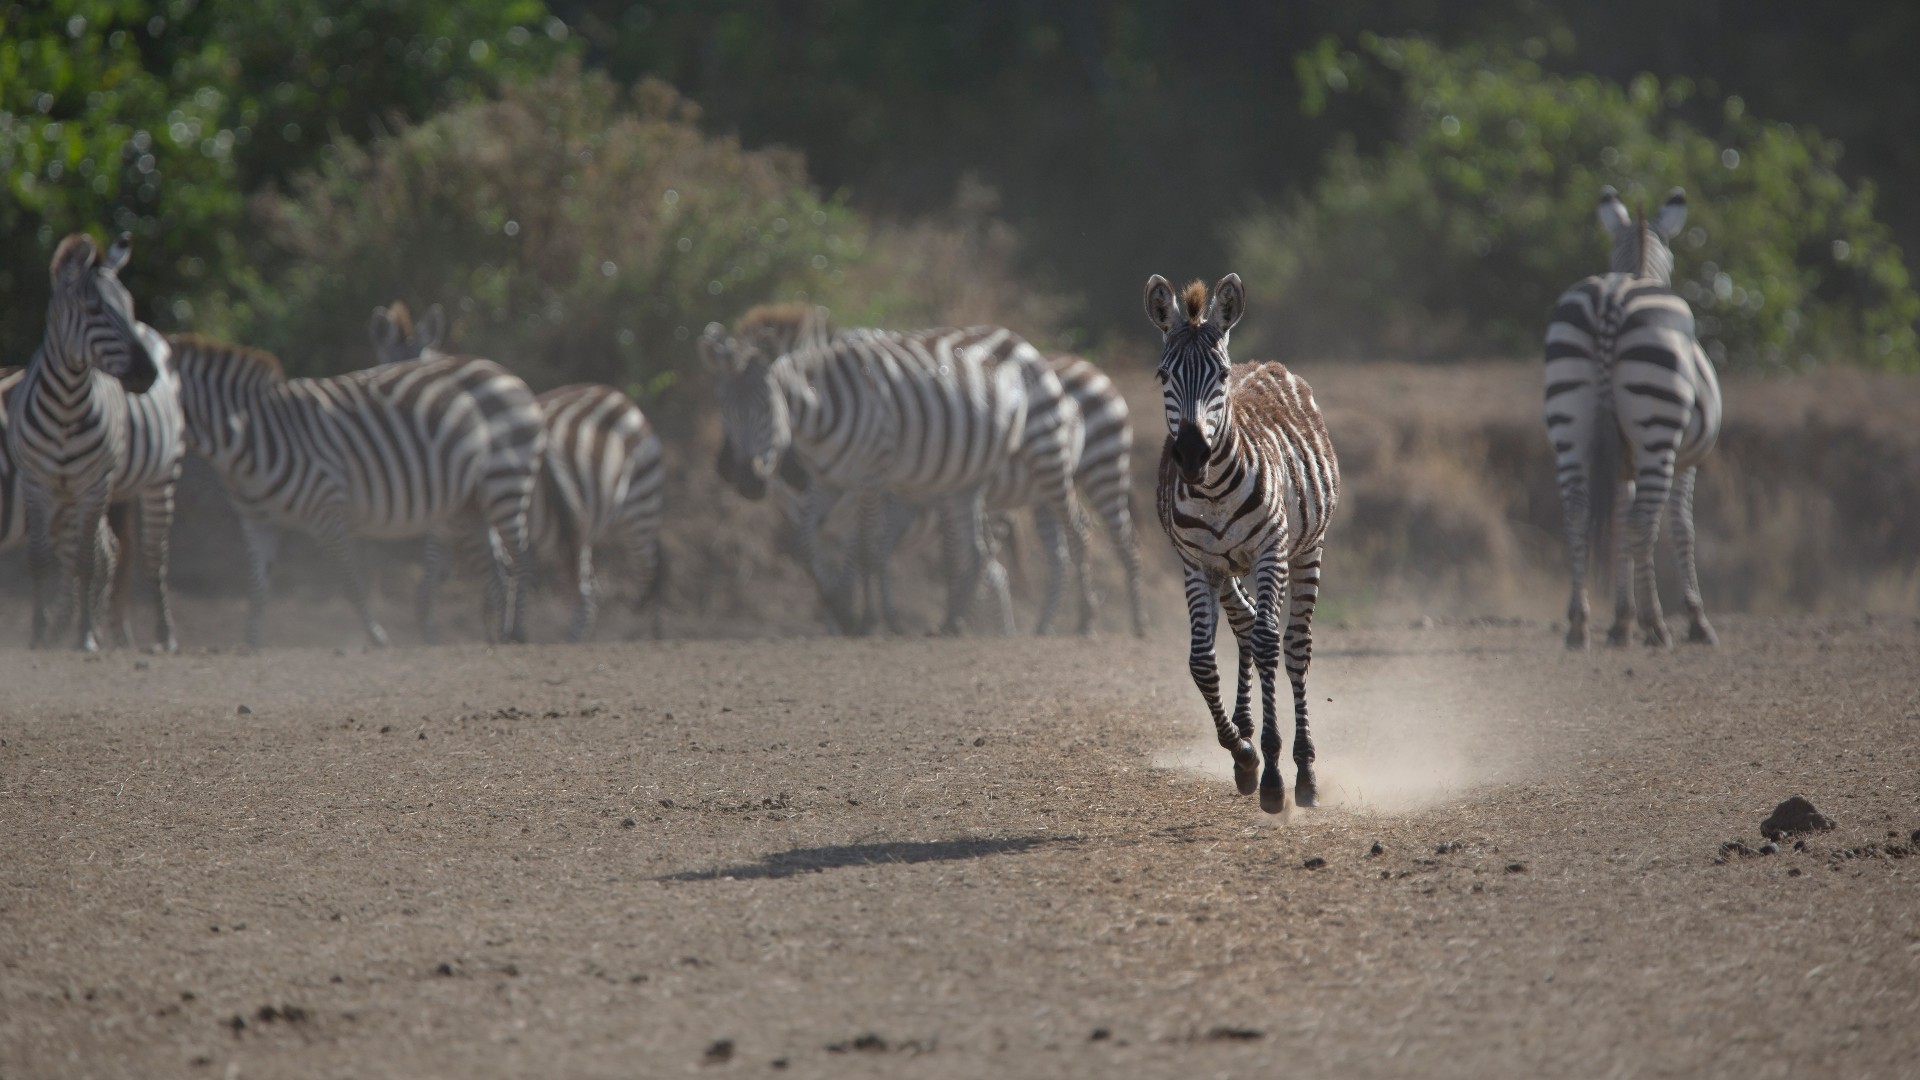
x=1239 y=611
x=966 y=525
x=156 y=527
x=1623 y=560
x=86 y=520
x=1270 y=591
x=438 y=564
x=1203 y=619
x=580 y=569
x=1644 y=525
x=1680 y=513
x=1576 y=508
x=1303 y=595
x=43 y=559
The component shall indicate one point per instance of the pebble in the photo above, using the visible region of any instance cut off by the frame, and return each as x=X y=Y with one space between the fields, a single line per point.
x=628 y=823
x=721 y=1050
x=244 y=710
x=1314 y=862
x=1377 y=849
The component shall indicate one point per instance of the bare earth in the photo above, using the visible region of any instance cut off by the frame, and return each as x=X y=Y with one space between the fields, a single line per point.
x=974 y=858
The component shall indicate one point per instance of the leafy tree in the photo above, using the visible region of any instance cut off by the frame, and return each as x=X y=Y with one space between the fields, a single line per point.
x=1457 y=237
x=570 y=229
x=156 y=117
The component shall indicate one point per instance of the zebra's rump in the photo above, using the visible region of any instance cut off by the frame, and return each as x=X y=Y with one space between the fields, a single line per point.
x=602 y=469
x=1280 y=487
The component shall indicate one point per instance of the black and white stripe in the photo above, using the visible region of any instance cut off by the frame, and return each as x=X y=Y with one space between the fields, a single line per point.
x=448 y=447
x=1248 y=481
x=94 y=420
x=1632 y=401
x=600 y=479
x=926 y=417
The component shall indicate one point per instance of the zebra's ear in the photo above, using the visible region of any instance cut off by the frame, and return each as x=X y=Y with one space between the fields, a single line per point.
x=120 y=252
x=1672 y=216
x=431 y=328
x=1229 y=303
x=717 y=352
x=384 y=334
x=1160 y=303
x=1612 y=212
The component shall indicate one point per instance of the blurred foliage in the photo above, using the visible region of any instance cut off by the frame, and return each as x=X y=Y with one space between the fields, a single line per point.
x=570 y=228
x=157 y=117
x=1457 y=237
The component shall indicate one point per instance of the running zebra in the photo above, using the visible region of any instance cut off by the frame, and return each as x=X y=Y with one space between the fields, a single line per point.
x=925 y=416
x=600 y=479
x=94 y=420
x=1248 y=481
x=442 y=446
x=1624 y=367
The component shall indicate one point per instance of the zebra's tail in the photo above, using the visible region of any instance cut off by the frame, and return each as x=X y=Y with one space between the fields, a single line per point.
x=1603 y=481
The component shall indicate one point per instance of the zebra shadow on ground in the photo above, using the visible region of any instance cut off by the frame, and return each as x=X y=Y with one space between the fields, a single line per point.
x=786 y=864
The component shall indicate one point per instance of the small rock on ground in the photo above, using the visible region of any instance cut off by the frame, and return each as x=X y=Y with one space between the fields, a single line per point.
x=1796 y=815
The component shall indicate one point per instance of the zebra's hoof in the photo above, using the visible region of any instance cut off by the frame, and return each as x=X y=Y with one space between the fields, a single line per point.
x=1618 y=636
x=1246 y=767
x=1658 y=637
x=89 y=643
x=1273 y=800
x=1305 y=792
x=1702 y=634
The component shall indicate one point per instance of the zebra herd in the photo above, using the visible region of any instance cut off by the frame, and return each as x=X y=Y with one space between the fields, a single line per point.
x=960 y=425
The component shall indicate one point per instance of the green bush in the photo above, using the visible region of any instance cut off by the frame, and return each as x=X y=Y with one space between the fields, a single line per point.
x=158 y=116
x=1457 y=238
x=569 y=229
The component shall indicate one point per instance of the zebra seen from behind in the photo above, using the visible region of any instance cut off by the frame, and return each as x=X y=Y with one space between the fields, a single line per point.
x=94 y=420
x=600 y=478
x=1632 y=407
x=448 y=447
x=1248 y=481
x=924 y=416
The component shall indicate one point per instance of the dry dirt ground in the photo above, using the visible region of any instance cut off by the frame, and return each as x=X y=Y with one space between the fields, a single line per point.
x=908 y=858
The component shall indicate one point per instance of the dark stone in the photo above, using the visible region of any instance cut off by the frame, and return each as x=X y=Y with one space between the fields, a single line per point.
x=1796 y=815
x=981 y=741
x=443 y=969
x=244 y=710
x=1516 y=868
x=1314 y=862
x=721 y=1050
x=627 y=823
x=1377 y=849
x=1235 y=1034
x=1769 y=848
x=1100 y=1034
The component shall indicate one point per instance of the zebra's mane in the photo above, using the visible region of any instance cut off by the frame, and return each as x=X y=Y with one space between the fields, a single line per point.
x=402 y=319
x=220 y=357
x=1195 y=299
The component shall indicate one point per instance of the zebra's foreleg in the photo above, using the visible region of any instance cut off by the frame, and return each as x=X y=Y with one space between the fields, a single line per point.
x=113 y=547
x=1680 y=513
x=333 y=538
x=1203 y=620
x=897 y=517
x=43 y=559
x=967 y=524
x=156 y=528
x=1269 y=590
x=85 y=522
x=996 y=574
x=1046 y=529
x=1303 y=594
x=1239 y=610
x=263 y=544
x=1622 y=561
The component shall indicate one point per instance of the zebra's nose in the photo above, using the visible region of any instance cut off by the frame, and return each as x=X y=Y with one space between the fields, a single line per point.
x=1190 y=450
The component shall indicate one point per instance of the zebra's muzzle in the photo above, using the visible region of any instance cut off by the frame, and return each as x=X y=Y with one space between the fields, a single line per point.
x=1190 y=451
